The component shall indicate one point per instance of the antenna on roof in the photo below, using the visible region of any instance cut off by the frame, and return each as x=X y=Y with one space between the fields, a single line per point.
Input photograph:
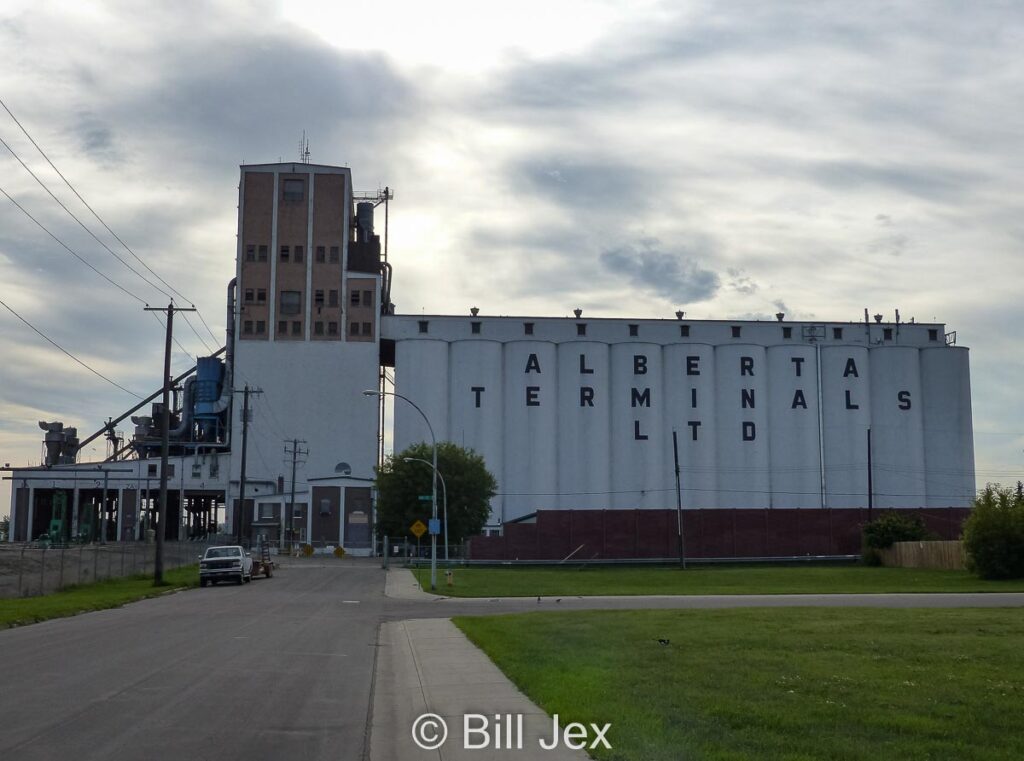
x=304 y=149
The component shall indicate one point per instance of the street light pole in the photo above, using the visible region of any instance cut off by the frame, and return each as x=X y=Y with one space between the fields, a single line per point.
x=433 y=481
x=444 y=498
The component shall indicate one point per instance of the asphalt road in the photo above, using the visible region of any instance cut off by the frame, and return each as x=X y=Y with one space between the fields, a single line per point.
x=277 y=669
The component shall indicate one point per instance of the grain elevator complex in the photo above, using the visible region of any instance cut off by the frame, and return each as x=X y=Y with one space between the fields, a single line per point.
x=575 y=416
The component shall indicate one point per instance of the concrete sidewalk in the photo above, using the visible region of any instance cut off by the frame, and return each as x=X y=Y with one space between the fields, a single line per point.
x=401 y=584
x=428 y=666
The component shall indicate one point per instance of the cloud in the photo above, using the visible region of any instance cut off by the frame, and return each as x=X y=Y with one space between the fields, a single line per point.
x=676 y=277
x=589 y=184
x=739 y=282
x=928 y=182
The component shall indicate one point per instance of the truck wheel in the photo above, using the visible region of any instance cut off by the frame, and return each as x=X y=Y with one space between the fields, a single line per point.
x=240 y=578
x=248 y=578
x=202 y=582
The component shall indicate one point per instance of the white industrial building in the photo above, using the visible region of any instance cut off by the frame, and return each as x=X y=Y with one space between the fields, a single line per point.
x=574 y=416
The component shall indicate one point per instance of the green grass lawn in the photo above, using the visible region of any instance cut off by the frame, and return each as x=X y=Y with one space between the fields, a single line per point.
x=781 y=684
x=102 y=594
x=752 y=579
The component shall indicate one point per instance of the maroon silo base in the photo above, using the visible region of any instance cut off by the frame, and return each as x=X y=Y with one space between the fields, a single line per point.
x=754 y=533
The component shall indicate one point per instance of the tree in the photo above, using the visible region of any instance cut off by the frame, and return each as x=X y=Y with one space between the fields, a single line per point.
x=994 y=533
x=887 y=529
x=5 y=527
x=400 y=484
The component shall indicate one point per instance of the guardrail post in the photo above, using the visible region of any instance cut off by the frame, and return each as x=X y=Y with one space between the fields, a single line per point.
x=60 y=581
x=42 y=573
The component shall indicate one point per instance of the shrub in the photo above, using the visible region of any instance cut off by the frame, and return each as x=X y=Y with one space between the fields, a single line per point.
x=994 y=534
x=887 y=529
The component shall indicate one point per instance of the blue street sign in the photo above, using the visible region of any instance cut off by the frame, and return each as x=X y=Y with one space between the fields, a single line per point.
x=425 y=498
x=435 y=526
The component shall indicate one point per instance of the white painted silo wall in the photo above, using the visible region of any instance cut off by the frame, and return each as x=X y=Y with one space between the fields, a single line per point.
x=531 y=416
x=421 y=375
x=793 y=426
x=897 y=436
x=638 y=416
x=689 y=371
x=741 y=371
x=476 y=406
x=846 y=403
x=584 y=426
x=948 y=427
x=559 y=454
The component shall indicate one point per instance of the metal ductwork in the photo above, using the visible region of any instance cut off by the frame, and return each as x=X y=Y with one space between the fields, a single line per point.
x=224 y=402
x=186 y=410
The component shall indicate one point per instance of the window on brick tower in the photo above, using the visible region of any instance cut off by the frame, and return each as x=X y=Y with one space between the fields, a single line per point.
x=318 y=299
x=332 y=328
x=261 y=295
x=291 y=302
x=263 y=253
x=298 y=254
x=321 y=253
x=282 y=327
x=250 y=295
x=247 y=327
x=367 y=329
x=318 y=328
x=296 y=327
x=250 y=253
x=354 y=299
x=261 y=327
x=332 y=298
x=335 y=254
x=353 y=328
x=285 y=254
x=294 y=190
x=367 y=298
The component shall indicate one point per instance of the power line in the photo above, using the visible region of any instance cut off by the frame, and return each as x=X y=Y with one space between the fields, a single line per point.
x=82 y=224
x=72 y=252
x=88 y=264
x=106 y=226
x=76 y=359
x=96 y=238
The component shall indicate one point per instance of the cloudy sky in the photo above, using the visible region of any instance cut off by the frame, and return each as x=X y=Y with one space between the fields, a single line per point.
x=732 y=159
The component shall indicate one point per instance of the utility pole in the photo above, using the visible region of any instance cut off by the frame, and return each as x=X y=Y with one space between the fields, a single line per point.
x=165 y=429
x=871 y=487
x=679 y=502
x=238 y=518
x=295 y=452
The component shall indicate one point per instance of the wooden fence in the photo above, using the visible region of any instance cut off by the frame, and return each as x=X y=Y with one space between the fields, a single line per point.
x=947 y=555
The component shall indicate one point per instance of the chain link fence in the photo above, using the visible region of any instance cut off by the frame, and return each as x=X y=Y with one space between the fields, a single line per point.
x=26 y=570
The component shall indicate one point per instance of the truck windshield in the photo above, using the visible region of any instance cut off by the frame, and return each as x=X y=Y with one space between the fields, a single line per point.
x=223 y=552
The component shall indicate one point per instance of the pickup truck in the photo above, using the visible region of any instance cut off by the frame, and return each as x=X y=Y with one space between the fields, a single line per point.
x=222 y=563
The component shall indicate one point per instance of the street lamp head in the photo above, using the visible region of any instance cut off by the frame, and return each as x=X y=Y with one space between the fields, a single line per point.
x=371 y=393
